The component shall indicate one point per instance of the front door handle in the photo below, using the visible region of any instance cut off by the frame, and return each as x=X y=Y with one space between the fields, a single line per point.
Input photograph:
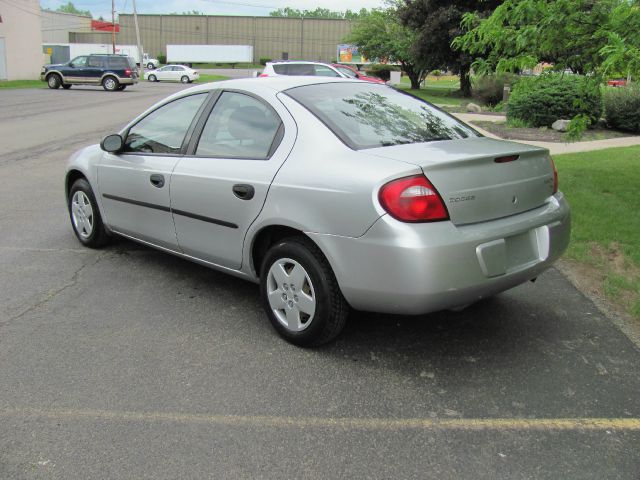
x=244 y=191
x=157 y=180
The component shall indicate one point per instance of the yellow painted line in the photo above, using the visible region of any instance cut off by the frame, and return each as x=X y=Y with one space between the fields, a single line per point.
x=345 y=423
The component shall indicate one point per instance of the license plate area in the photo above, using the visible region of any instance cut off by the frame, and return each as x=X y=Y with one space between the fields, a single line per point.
x=514 y=253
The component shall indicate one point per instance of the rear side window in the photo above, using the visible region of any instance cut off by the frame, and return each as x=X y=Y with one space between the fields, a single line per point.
x=118 y=63
x=239 y=126
x=281 y=69
x=365 y=115
x=164 y=129
x=95 y=62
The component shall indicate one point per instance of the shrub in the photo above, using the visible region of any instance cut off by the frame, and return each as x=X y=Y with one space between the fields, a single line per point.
x=264 y=60
x=162 y=58
x=489 y=89
x=381 y=71
x=622 y=108
x=542 y=100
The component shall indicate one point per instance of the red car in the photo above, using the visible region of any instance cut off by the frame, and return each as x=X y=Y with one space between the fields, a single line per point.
x=620 y=82
x=353 y=73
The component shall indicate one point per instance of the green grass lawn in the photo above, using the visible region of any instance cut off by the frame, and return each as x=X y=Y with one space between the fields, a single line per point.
x=439 y=96
x=22 y=84
x=206 y=78
x=602 y=189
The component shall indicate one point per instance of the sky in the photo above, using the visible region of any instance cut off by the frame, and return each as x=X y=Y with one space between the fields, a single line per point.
x=213 y=7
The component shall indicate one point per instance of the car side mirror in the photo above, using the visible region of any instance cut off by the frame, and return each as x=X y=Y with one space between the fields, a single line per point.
x=112 y=143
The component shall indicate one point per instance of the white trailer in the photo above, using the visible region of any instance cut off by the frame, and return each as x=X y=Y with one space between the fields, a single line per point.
x=64 y=52
x=209 y=54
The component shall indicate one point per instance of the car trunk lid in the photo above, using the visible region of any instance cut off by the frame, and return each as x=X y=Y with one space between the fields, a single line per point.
x=480 y=179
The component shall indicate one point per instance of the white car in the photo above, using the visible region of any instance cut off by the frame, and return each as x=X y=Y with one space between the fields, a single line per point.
x=172 y=73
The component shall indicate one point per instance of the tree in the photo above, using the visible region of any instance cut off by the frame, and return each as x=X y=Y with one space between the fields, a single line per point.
x=318 y=13
x=379 y=34
x=69 y=7
x=585 y=36
x=437 y=23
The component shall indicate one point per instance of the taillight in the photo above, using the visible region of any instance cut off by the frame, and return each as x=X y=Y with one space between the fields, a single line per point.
x=127 y=73
x=555 y=176
x=263 y=75
x=413 y=199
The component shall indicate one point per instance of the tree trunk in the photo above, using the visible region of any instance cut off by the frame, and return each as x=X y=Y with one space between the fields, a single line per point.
x=414 y=76
x=465 y=80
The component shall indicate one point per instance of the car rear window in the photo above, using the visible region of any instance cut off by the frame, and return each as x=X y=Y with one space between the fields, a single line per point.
x=368 y=115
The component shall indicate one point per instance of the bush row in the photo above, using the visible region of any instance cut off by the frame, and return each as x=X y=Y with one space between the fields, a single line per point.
x=542 y=100
x=622 y=108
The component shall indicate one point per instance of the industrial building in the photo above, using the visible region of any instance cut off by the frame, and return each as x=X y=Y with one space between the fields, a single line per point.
x=20 y=40
x=271 y=37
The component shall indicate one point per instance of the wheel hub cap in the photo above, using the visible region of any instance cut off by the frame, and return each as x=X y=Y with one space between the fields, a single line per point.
x=82 y=214
x=291 y=295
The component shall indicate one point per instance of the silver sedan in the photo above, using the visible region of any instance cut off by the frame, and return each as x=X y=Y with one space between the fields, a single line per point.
x=331 y=194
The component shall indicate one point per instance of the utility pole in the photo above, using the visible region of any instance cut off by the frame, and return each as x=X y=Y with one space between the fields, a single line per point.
x=140 y=55
x=113 y=25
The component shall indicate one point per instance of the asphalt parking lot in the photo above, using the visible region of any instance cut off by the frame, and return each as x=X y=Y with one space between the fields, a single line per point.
x=129 y=363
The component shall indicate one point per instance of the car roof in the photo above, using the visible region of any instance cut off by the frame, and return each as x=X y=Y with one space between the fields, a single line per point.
x=305 y=62
x=277 y=84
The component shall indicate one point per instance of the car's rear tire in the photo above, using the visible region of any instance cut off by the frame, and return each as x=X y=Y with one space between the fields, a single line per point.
x=185 y=79
x=152 y=78
x=150 y=66
x=300 y=293
x=110 y=84
x=66 y=86
x=122 y=87
x=85 y=215
x=54 y=81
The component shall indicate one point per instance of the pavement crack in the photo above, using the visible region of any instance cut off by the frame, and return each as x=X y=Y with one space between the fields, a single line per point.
x=57 y=291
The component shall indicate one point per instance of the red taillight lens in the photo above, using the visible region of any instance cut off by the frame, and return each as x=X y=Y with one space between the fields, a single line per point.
x=555 y=176
x=127 y=73
x=413 y=199
x=263 y=75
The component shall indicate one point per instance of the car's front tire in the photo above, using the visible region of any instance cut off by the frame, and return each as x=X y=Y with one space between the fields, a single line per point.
x=85 y=215
x=110 y=84
x=122 y=87
x=300 y=293
x=54 y=81
x=152 y=78
x=185 y=79
x=150 y=66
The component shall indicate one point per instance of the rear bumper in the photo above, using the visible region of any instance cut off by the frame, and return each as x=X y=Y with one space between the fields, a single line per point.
x=127 y=81
x=405 y=268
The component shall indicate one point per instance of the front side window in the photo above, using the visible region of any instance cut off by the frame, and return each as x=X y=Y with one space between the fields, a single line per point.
x=347 y=71
x=79 y=62
x=239 y=126
x=322 y=71
x=365 y=115
x=163 y=130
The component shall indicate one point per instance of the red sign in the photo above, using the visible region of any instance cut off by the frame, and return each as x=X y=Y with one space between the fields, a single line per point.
x=101 y=26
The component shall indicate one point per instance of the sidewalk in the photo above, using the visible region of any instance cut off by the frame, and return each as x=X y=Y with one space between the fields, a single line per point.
x=555 y=148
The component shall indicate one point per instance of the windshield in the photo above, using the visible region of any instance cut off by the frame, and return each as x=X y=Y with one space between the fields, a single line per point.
x=368 y=115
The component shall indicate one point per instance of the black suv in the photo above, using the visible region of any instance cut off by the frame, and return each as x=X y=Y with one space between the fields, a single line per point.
x=113 y=72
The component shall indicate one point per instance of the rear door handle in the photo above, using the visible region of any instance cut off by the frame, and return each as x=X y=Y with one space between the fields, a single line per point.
x=157 y=180
x=244 y=191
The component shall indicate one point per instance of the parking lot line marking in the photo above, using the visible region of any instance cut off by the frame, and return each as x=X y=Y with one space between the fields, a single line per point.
x=345 y=423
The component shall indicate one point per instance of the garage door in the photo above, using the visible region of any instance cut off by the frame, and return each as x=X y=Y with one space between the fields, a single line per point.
x=3 y=61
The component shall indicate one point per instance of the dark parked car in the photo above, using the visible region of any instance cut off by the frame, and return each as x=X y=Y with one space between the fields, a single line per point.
x=113 y=72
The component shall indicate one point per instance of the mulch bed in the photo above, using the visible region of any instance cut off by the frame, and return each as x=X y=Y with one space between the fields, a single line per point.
x=544 y=134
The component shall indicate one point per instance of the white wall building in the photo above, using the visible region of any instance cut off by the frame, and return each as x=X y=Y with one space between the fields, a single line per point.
x=20 y=40
x=56 y=26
